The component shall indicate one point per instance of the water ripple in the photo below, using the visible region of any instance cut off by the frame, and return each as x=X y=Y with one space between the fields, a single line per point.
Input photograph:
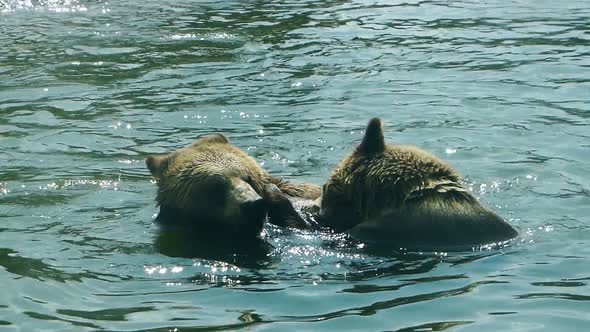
x=89 y=88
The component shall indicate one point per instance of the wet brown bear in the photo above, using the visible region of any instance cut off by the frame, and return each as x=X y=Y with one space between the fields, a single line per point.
x=405 y=196
x=214 y=188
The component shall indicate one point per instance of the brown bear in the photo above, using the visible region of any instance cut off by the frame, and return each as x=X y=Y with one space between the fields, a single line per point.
x=214 y=188
x=405 y=196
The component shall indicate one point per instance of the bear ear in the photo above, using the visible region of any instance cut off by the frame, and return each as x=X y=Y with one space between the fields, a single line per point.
x=156 y=163
x=212 y=138
x=373 y=141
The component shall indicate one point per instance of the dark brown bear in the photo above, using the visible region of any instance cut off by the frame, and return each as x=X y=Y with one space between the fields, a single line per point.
x=404 y=196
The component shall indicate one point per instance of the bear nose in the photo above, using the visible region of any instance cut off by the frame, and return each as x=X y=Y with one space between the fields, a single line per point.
x=254 y=211
x=252 y=207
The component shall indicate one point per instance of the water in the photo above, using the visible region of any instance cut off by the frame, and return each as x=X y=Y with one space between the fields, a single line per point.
x=89 y=88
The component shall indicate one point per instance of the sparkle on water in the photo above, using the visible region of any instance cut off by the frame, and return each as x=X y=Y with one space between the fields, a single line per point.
x=89 y=88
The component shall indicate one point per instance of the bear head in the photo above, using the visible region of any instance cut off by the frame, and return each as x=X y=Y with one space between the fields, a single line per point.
x=212 y=187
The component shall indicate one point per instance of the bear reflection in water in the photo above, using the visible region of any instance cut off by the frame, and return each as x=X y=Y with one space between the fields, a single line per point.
x=217 y=195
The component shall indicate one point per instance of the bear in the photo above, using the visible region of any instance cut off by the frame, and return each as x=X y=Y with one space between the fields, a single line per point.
x=217 y=191
x=402 y=195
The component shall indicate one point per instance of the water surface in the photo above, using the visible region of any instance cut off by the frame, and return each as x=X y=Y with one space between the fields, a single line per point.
x=499 y=89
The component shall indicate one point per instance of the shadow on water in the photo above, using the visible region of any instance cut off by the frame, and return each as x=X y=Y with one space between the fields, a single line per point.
x=254 y=253
x=391 y=266
x=36 y=269
x=249 y=319
x=398 y=265
x=405 y=266
x=435 y=326
x=315 y=248
x=366 y=288
x=119 y=314
x=374 y=308
x=561 y=296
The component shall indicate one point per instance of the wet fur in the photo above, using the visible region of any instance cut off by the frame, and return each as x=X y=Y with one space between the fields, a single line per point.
x=207 y=163
x=297 y=190
x=443 y=219
x=405 y=195
x=193 y=181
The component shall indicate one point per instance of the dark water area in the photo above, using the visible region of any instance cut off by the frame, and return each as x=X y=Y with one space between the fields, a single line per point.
x=499 y=89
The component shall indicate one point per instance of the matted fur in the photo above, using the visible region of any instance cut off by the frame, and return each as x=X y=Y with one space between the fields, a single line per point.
x=381 y=190
x=208 y=163
x=206 y=183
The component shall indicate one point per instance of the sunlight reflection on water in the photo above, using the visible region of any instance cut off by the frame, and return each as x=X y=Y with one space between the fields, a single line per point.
x=89 y=88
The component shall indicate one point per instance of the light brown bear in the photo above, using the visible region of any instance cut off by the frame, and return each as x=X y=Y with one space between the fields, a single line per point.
x=404 y=196
x=215 y=189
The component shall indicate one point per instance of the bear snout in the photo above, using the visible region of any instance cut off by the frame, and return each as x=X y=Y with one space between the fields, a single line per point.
x=254 y=213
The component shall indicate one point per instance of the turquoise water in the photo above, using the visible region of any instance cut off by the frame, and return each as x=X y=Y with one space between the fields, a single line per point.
x=499 y=89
